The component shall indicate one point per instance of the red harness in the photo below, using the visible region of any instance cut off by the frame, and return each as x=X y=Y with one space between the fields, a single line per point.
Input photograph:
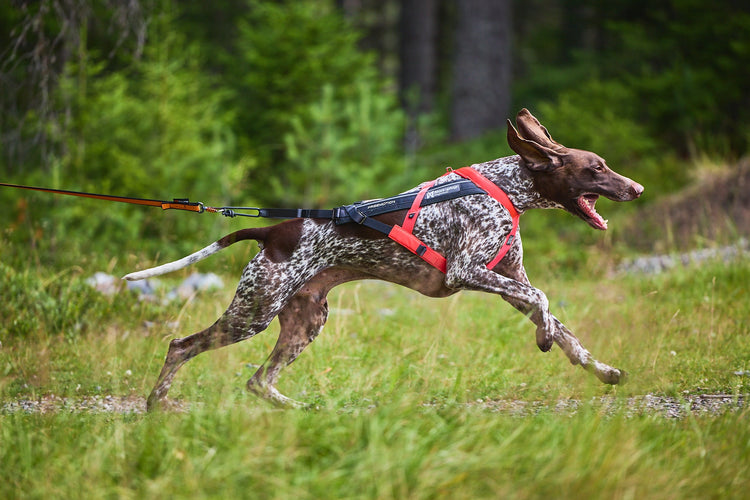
x=404 y=236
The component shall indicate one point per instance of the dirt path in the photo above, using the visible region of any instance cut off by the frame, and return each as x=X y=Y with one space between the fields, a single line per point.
x=667 y=407
x=85 y=404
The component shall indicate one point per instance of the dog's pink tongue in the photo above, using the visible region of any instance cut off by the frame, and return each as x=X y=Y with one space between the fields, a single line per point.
x=587 y=205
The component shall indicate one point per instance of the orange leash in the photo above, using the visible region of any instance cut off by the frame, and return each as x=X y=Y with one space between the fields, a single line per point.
x=177 y=203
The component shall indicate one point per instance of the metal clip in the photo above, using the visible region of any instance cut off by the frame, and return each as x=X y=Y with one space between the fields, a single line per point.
x=230 y=212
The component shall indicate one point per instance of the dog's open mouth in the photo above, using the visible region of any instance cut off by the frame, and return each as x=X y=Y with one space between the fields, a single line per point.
x=587 y=203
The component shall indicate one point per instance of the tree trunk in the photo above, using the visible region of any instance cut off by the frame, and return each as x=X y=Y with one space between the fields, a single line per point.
x=417 y=54
x=481 y=67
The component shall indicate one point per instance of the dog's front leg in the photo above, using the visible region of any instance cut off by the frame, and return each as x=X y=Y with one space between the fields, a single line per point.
x=576 y=353
x=579 y=355
x=522 y=296
x=563 y=337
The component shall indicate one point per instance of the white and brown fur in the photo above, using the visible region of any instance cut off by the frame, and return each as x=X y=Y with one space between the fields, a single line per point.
x=301 y=260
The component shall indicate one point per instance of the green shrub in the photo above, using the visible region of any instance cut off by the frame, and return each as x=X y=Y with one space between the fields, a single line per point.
x=158 y=129
x=32 y=303
x=313 y=107
x=286 y=53
x=343 y=150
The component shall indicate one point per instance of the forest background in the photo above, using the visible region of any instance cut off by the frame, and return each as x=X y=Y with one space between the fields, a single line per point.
x=316 y=103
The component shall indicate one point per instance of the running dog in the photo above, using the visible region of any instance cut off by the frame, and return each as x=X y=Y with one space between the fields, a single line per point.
x=302 y=259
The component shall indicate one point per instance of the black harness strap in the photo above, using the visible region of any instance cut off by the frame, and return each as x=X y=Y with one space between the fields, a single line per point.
x=365 y=209
x=362 y=212
x=294 y=213
x=353 y=214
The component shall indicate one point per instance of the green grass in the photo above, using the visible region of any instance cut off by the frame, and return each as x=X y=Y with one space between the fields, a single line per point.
x=396 y=377
x=395 y=451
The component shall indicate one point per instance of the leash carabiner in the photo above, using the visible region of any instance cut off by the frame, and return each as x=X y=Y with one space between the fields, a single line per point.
x=232 y=211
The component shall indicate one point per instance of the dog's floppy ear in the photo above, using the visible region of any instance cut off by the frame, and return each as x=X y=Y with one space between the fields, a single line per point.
x=530 y=128
x=534 y=155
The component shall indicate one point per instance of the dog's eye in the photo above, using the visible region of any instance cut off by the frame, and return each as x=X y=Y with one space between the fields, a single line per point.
x=598 y=167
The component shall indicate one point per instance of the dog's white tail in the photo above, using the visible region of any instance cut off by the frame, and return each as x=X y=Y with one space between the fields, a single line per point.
x=243 y=234
x=174 y=266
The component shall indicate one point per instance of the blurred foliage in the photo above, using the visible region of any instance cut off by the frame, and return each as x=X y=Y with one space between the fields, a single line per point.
x=677 y=68
x=286 y=53
x=157 y=128
x=30 y=303
x=690 y=64
x=165 y=137
x=312 y=105
x=340 y=150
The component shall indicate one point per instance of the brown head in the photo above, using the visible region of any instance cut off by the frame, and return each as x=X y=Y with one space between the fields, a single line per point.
x=571 y=178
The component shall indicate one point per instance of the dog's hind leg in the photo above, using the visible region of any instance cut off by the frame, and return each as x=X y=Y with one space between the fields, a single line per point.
x=230 y=328
x=301 y=321
x=251 y=311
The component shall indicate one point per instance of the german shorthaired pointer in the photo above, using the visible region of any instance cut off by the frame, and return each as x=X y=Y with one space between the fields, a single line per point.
x=301 y=260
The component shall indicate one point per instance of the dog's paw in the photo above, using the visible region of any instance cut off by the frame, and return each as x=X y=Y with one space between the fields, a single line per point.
x=544 y=339
x=155 y=404
x=606 y=373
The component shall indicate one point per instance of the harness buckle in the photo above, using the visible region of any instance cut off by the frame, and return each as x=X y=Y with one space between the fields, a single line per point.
x=355 y=214
x=362 y=217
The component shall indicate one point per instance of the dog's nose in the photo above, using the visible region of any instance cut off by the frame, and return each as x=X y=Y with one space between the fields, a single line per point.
x=637 y=189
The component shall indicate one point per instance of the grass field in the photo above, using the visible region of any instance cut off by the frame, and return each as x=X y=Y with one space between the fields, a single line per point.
x=406 y=388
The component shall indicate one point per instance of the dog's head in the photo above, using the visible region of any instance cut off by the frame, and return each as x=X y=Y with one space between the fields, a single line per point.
x=571 y=178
